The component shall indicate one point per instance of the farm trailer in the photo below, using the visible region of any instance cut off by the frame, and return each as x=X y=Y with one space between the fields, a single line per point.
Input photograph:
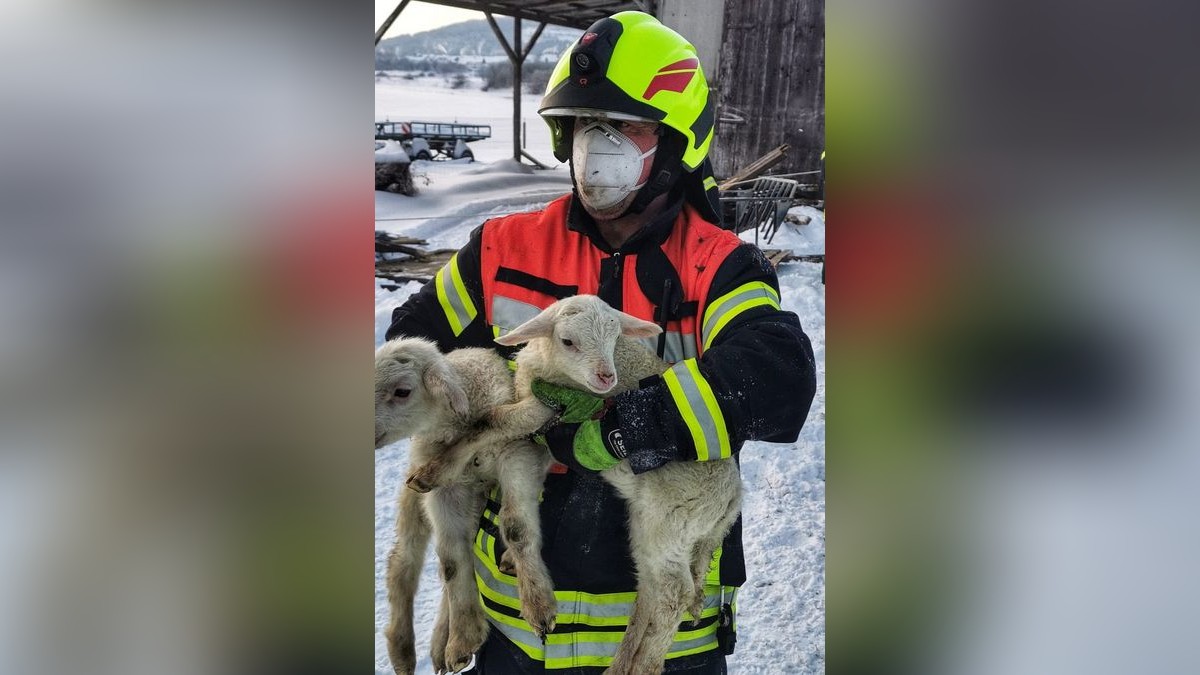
x=433 y=140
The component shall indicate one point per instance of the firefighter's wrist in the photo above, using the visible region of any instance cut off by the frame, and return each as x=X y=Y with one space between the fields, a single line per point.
x=596 y=448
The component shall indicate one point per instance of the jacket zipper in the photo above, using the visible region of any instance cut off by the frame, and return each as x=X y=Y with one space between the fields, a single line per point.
x=617 y=260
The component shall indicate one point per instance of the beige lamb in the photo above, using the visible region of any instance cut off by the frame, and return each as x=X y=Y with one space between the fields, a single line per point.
x=436 y=399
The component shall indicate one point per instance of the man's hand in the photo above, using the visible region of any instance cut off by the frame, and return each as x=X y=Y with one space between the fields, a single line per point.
x=586 y=437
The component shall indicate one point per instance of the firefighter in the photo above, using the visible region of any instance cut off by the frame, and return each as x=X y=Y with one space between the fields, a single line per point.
x=628 y=108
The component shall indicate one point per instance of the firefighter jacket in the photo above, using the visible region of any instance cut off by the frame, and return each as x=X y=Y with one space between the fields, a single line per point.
x=743 y=370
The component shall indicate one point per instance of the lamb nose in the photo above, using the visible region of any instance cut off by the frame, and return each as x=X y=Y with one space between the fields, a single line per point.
x=605 y=378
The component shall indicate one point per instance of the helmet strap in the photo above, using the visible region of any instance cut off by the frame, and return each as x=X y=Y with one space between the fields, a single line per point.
x=664 y=172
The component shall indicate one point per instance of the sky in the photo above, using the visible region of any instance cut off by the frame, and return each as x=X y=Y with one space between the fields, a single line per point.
x=419 y=16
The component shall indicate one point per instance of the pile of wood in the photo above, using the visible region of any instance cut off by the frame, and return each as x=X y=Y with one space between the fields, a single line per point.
x=401 y=259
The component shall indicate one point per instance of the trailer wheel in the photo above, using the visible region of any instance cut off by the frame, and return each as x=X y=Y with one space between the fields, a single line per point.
x=469 y=155
x=423 y=155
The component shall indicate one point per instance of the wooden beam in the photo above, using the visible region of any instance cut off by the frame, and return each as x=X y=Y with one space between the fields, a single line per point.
x=388 y=22
x=573 y=6
x=581 y=15
x=533 y=159
x=512 y=56
x=532 y=41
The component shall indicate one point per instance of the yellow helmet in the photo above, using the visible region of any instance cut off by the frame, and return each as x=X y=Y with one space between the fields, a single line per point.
x=630 y=66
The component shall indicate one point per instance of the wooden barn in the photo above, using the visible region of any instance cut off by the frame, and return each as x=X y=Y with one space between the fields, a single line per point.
x=766 y=64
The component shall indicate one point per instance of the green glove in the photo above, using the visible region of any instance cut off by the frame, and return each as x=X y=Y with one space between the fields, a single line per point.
x=586 y=438
x=575 y=406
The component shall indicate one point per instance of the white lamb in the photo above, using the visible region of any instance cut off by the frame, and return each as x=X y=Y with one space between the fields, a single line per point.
x=678 y=514
x=436 y=399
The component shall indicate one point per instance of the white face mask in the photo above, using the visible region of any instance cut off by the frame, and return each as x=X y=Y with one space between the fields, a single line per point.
x=608 y=166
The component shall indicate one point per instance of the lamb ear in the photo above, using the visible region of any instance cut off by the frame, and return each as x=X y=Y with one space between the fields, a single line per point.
x=442 y=382
x=633 y=327
x=541 y=325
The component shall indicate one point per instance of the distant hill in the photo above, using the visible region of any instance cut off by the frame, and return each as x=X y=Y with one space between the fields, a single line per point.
x=474 y=39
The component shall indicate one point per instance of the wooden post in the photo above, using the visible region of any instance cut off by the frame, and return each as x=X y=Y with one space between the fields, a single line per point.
x=516 y=56
x=516 y=66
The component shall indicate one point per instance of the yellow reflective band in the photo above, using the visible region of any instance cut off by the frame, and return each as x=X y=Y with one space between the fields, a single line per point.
x=599 y=649
x=713 y=578
x=733 y=303
x=709 y=183
x=518 y=632
x=622 y=601
x=580 y=661
x=496 y=596
x=587 y=647
x=698 y=407
x=695 y=650
x=452 y=294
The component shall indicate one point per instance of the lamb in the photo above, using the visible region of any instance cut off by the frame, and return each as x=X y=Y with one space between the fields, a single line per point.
x=437 y=399
x=678 y=514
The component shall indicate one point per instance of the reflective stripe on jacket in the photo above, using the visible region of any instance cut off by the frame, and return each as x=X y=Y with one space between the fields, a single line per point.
x=590 y=626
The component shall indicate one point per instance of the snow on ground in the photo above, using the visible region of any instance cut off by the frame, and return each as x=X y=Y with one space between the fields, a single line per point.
x=454 y=197
x=781 y=620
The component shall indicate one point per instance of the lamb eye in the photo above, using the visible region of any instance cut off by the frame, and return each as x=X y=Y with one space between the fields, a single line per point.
x=567 y=343
x=402 y=393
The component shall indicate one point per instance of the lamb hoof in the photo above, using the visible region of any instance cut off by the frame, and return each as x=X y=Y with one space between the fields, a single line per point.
x=459 y=665
x=458 y=656
x=506 y=564
x=541 y=616
x=416 y=483
x=539 y=607
x=467 y=638
x=438 y=656
x=545 y=628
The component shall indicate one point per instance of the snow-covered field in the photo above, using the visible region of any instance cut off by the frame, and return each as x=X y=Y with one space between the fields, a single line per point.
x=430 y=99
x=781 y=620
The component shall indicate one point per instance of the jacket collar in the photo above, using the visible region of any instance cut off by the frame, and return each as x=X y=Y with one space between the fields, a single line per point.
x=653 y=233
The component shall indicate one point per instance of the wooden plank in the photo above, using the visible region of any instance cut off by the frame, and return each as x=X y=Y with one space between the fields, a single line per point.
x=535 y=160
x=384 y=236
x=777 y=255
x=401 y=248
x=752 y=170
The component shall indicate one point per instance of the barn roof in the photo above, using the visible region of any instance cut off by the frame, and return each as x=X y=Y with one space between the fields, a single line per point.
x=571 y=13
